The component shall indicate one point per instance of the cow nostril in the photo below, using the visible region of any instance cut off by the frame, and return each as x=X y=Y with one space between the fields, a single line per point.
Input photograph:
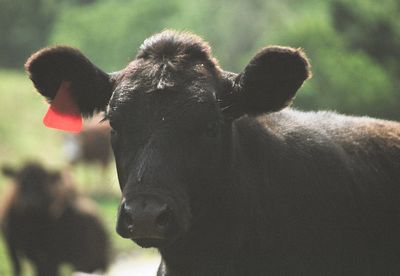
x=164 y=219
x=145 y=218
x=127 y=219
x=124 y=223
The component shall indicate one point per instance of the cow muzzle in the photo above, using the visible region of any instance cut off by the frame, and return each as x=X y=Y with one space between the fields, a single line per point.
x=148 y=221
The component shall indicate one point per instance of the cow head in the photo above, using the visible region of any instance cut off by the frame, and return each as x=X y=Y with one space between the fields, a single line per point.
x=170 y=110
x=40 y=192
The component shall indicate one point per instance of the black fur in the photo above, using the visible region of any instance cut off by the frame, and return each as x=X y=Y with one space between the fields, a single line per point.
x=170 y=45
x=273 y=69
x=253 y=188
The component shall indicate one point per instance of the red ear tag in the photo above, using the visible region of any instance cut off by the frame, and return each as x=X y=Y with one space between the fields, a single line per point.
x=63 y=113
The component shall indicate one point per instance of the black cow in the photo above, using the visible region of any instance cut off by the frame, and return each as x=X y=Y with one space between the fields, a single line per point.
x=46 y=222
x=219 y=175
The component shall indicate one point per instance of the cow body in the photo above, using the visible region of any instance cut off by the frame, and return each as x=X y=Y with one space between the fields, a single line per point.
x=90 y=146
x=52 y=226
x=223 y=178
x=307 y=194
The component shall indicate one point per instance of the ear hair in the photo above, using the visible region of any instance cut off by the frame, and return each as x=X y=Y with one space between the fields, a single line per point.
x=268 y=83
x=90 y=87
x=271 y=79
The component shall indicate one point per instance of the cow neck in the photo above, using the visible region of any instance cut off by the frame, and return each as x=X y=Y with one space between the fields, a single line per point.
x=210 y=247
x=211 y=243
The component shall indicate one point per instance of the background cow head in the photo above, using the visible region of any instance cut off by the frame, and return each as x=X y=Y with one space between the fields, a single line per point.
x=171 y=110
x=39 y=192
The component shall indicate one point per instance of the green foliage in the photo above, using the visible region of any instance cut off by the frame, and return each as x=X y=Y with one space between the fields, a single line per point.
x=372 y=26
x=24 y=27
x=231 y=27
x=5 y=266
x=110 y=32
x=346 y=80
x=21 y=131
x=354 y=45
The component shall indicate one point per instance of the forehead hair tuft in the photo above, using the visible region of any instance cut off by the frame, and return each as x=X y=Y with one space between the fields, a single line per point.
x=178 y=46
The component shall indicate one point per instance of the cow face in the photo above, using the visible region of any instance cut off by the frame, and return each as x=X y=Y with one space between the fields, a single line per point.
x=171 y=110
x=166 y=137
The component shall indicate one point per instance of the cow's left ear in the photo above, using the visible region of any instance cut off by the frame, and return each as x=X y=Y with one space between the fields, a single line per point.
x=66 y=70
x=269 y=82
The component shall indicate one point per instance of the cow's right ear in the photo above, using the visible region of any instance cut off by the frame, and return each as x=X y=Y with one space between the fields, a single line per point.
x=66 y=69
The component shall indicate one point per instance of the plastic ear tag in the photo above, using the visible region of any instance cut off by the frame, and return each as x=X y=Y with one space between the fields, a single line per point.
x=63 y=113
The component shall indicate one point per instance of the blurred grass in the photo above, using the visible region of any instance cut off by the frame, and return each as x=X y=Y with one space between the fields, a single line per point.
x=24 y=137
x=5 y=267
x=21 y=115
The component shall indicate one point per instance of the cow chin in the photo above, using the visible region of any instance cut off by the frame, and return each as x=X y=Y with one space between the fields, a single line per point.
x=157 y=241
x=150 y=242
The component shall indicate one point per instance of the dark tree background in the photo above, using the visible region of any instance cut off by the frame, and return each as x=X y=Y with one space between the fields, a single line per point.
x=354 y=45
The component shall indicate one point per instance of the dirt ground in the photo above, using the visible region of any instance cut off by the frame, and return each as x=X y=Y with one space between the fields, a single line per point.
x=132 y=265
x=135 y=265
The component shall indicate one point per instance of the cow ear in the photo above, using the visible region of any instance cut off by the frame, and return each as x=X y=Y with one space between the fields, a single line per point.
x=65 y=70
x=8 y=171
x=269 y=82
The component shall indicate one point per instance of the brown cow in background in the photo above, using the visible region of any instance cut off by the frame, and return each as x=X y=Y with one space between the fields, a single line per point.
x=91 y=145
x=91 y=150
x=48 y=223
